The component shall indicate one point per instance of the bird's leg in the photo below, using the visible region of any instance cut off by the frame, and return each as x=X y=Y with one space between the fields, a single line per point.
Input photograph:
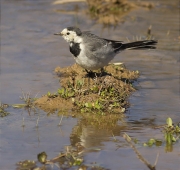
x=87 y=71
x=90 y=73
x=102 y=71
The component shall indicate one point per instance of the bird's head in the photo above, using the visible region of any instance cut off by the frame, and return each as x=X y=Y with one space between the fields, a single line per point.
x=71 y=34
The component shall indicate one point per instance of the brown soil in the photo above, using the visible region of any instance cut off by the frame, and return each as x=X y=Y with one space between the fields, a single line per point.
x=83 y=91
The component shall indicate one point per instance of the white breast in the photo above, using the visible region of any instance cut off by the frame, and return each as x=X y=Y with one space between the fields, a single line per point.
x=83 y=60
x=91 y=61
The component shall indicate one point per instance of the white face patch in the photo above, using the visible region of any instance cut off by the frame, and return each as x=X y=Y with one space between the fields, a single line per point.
x=70 y=36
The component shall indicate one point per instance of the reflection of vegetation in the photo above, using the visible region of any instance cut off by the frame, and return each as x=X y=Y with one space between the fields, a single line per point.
x=108 y=12
x=102 y=122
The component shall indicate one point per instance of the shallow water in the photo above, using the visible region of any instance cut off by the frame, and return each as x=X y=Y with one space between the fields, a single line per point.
x=30 y=52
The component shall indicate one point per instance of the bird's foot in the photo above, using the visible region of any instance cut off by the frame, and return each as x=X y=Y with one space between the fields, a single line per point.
x=90 y=73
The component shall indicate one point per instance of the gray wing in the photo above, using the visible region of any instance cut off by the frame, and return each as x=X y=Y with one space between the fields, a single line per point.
x=97 y=45
x=92 y=41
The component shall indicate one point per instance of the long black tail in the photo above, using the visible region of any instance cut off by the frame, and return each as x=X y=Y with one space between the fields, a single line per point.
x=140 y=45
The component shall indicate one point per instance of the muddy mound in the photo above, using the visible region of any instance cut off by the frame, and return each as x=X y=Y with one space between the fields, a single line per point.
x=99 y=93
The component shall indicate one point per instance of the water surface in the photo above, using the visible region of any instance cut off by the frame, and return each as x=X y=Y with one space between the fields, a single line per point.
x=30 y=52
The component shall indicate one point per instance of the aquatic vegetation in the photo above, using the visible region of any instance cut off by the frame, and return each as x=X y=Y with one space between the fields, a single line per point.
x=26 y=165
x=71 y=157
x=42 y=157
x=3 y=112
x=152 y=142
x=28 y=102
x=171 y=135
x=171 y=132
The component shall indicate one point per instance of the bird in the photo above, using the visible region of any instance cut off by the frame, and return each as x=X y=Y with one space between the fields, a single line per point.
x=92 y=52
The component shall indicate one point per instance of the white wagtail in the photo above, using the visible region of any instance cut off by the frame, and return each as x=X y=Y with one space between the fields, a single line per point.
x=92 y=52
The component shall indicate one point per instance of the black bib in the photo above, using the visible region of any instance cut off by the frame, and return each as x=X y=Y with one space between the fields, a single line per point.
x=75 y=49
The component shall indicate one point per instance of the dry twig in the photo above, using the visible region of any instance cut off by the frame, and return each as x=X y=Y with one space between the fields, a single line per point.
x=128 y=140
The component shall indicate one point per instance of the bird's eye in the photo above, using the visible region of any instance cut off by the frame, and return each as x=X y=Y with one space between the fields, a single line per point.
x=68 y=33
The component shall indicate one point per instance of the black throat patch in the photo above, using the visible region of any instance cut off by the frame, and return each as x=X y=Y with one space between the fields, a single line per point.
x=75 y=48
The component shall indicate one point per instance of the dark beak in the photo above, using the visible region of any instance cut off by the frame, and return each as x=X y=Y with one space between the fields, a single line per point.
x=58 y=34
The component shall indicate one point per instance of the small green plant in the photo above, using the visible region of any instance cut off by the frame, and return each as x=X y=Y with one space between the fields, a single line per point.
x=152 y=142
x=100 y=93
x=42 y=157
x=108 y=98
x=28 y=102
x=79 y=84
x=171 y=135
x=95 y=107
x=66 y=93
x=50 y=95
